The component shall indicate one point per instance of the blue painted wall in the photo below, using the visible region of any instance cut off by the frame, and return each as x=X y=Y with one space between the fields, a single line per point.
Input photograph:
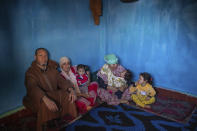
x=64 y=27
x=159 y=37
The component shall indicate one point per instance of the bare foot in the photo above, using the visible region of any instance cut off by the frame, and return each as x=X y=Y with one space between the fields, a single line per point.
x=89 y=108
x=124 y=101
x=147 y=106
x=137 y=106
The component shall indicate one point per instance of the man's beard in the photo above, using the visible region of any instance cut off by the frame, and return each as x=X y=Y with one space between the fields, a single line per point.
x=43 y=66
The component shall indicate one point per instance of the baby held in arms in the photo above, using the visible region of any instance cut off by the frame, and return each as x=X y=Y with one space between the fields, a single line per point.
x=117 y=85
x=87 y=92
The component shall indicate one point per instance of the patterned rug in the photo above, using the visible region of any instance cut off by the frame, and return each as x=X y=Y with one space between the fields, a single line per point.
x=23 y=120
x=171 y=111
x=125 y=117
x=171 y=108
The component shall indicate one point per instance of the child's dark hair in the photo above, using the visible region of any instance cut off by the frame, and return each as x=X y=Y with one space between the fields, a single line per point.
x=80 y=66
x=147 y=77
x=128 y=76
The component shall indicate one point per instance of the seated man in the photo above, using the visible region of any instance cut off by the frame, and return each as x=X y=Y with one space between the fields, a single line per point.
x=48 y=94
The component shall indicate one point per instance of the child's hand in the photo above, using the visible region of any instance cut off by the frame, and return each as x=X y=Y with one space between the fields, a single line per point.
x=132 y=89
x=88 y=82
x=136 y=83
x=88 y=72
x=148 y=98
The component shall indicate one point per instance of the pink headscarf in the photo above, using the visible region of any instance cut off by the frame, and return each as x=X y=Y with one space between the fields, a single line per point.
x=70 y=76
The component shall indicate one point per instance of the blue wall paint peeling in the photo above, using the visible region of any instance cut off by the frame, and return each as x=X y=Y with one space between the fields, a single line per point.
x=159 y=37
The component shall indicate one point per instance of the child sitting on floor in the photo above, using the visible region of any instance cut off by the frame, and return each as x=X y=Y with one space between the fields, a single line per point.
x=142 y=93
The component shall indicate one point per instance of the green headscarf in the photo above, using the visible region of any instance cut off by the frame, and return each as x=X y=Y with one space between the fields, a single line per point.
x=111 y=59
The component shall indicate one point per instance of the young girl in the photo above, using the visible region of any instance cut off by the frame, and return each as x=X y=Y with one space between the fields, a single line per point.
x=82 y=78
x=142 y=93
x=87 y=91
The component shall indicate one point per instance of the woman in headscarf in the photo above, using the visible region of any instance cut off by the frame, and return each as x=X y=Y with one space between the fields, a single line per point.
x=84 y=101
x=109 y=80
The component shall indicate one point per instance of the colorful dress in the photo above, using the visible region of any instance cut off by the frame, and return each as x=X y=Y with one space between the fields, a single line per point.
x=105 y=75
x=114 y=81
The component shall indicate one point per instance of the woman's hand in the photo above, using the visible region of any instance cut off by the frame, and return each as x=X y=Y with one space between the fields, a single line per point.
x=109 y=88
x=72 y=95
x=84 y=95
x=77 y=90
x=106 y=82
x=113 y=89
x=123 y=88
